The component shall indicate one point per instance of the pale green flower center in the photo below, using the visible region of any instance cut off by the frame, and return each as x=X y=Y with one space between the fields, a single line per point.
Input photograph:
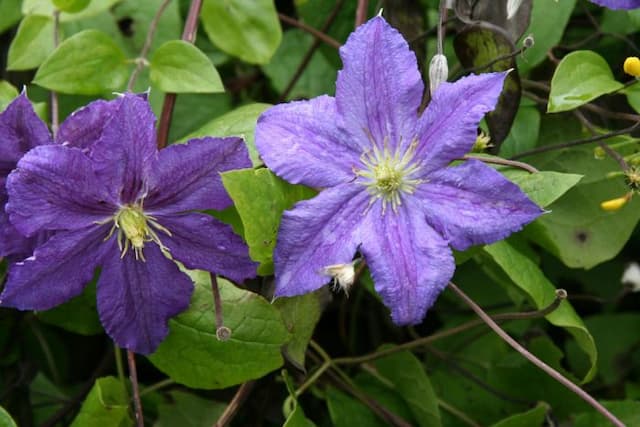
x=388 y=175
x=135 y=228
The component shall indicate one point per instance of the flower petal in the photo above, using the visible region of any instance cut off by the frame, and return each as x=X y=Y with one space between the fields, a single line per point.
x=14 y=245
x=55 y=188
x=187 y=176
x=409 y=261
x=302 y=142
x=20 y=130
x=126 y=148
x=57 y=271
x=472 y=204
x=448 y=128
x=202 y=242
x=84 y=126
x=379 y=90
x=618 y=4
x=137 y=298
x=315 y=234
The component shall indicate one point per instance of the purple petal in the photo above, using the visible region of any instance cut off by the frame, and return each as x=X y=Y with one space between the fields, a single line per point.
x=409 y=261
x=448 y=128
x=472 y=204
x=137 y=298
x=13 y=245
x=618 y=4
x=187 y=176
x=84 y=126
x=379 y=90
x=202 y=242
x=303 y=143
x=127 y=148
x=20 y=130
x=57 y=271
x=315 y=234
x=55 y=188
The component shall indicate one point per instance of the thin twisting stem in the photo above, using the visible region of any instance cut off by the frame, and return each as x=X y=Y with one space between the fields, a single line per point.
x=133 y=376
x=188 y=35
x=503 y=162
x=142 y=58
x=533 y=359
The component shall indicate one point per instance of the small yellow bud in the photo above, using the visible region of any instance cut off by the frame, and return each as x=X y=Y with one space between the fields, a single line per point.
x=615 y=204
x=632 y=66
x=599 y=153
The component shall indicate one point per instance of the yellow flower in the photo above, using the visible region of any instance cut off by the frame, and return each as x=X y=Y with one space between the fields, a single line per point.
x=632 y=66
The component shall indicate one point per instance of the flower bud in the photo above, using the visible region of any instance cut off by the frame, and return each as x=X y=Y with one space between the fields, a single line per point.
x=615 y=204
x=438 y=72
x=632 y=66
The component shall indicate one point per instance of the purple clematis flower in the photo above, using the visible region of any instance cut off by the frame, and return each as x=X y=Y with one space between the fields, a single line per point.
x=618 y=4
x=389 y=191
x=126 y=207
x=21 y=130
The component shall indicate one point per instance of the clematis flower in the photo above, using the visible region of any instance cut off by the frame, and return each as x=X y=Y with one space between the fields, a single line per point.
x=21 y=130
x=389 y=191
x=618 y=4
x=126 y=207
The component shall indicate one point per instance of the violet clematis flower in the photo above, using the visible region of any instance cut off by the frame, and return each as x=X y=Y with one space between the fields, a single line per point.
x=127 y=208
x=389 y=191
x=618 y=4
x=21 y=130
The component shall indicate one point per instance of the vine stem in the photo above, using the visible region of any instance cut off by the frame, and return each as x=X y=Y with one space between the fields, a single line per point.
x=361 y=12
x=503 y=162
x=188 y=35
x=561 y=294
x=142 y=58
x=133 y=376
x=533 y=359
x=234 y=405
x=316 y=33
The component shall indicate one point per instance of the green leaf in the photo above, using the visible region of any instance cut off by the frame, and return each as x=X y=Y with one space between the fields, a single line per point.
x=348 y=412
x=524 y=132
x=239 y=122
x=87 y=63
x=260 y=198
x=188 y=410
x=318 y=77
x=193 y=356
x=628 y=411
x=78 y=315
x=71 y=6
x=247 y=29
x=528 y=277
x=10 y=14
x=300 y=315
x=46 y=8
x=543 y=187
x=532 y=418
x=548 y=21
x=107 y=404
x=179 y=67
x=580 y=77
x=410 y=381
x=5 y=419
x=7 y=94
x=32 y=44
x=577 y=230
